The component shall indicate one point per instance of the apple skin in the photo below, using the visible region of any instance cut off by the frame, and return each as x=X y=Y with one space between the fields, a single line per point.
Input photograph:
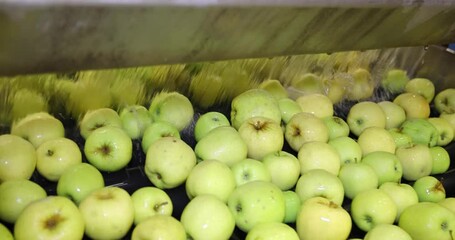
x=275 y=88
x=318 y=104
x=252 y=103
x=395 y=80
x=364 y=115
x=348 y=149
x=362 y=87
x=337 y=127
x=293 y=203
x=210 y=177
x=402 y=194
x=428 y=221
x=38 y=128
x=450 y=118
x=207 y=217
x=305 y=127
x=422 y=86
x=375 y=139
x=168 y=162
x=17 y=158
x=386 y=165
x=444 y=101
x=96 y=118
x=172 y=107
x=429 y=189
x=444 y=129
x=15 y=195
x=416 y=161
x=5 y=233
x=284 y=169
x=272 y=231
x=61 y=217
x=207 y=122
x=441 y=160
x=372 y=207
x=421 y=131
x=401 y=139
x=108 y=213
x=387 y=231
x=262 y=136
x=150 y=201
x=356 y=178
x=108 y=148
x=307 y=83
x=157 y=130
x=449 y=203
x=135 y=119
x=288 y=108
x=394 y=114
x=256 y=202
x=318 y=155
x=248 y=170
x=79 y=181
x=223 y=144
x=415 y=105
x=55 y=156
x=319 y=218
x=320 y=183
x=159 y=227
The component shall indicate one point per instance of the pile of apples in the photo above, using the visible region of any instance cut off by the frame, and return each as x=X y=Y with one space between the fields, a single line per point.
x=275 y=167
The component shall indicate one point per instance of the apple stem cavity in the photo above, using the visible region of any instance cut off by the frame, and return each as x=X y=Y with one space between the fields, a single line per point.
x=238 y=208
x=158 y=206
x=258 y=125
x=105 y=149
x=53 y=221
x=49 y=153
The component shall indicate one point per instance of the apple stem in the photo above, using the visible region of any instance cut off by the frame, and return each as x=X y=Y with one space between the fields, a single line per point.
x=158 y=206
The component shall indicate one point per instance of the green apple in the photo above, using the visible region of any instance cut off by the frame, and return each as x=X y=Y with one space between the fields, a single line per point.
x=421 y=131
x=320 y=218
x=55 y=156
x=256 y=202
x=5 y=233
x=364 y=115
x=275 y=88
x=335 y=88
x=386 y=165
x=319 y=155
x=415 y=105
x=168 y=162
x=429 y=189
x=38 y=128
x=422 y=86
x=337 y=127
x=135 y=119
x=401 y=139
x=356 y=178
x=97 y=118
x=207 y=122
x=444 y=101
x=108 y=148
x=272 y=231
x=262 y=136
x=150 y=201
x=87 y=94
x=79 y=181
x=27 y=101
x=223 y=144
x=253 y=103
x=450 y=117
x=449 y=203
x=444 y=129
x=248 y=170
x=172 y=107
x=108 y=213
x=441 y=160
x=428 y=221
x=375 y=139
x=402 y=194
x=207 y=217
x=17 y=158
x=159 y=227
x=395 y=80
x=15 y=195
x=288 y=108
x=320 y=183
x=416 y=161
x=307 y=83
x=210 y=177
x=293 y=203
x=157 y=130
x=318 y=104
x=53 y=217
x=394 y=114
x=348 y=149
x=387 y=231
x=372 y=207
x=305 y=127
x=362 y=87
x=284 y=169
